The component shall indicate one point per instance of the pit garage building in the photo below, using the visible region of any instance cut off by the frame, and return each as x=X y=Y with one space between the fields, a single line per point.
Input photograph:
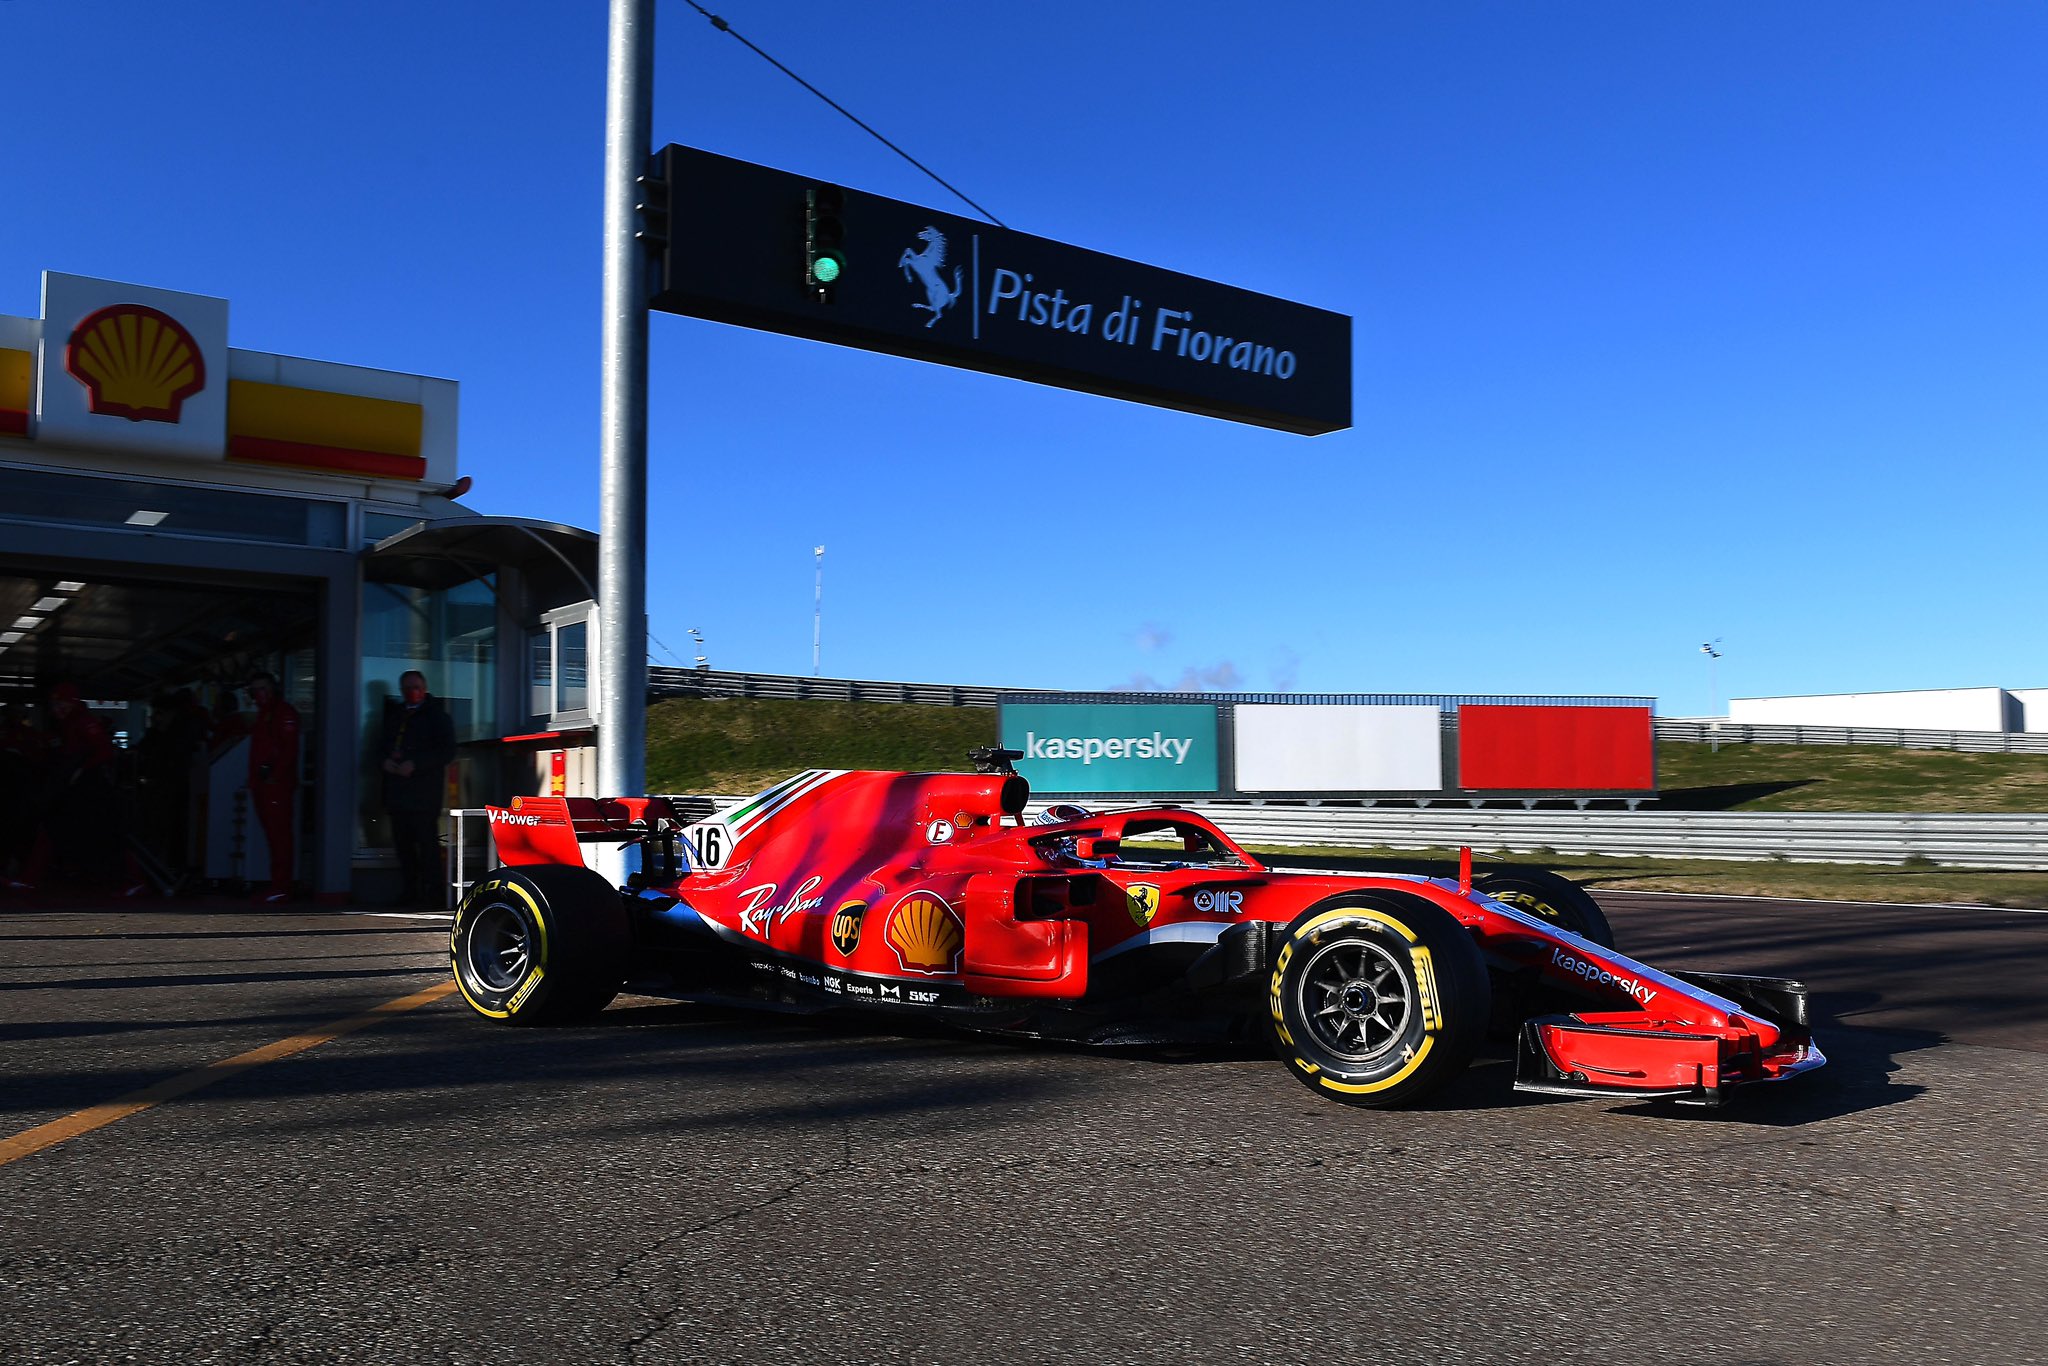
x=176 y=513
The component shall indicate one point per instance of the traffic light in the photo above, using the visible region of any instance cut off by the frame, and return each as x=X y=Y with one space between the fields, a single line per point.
x=824 y=240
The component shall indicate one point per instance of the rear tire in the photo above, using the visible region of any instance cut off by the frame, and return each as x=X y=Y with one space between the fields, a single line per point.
x=539 y=945
x=1377 y=998
x=1547 y=896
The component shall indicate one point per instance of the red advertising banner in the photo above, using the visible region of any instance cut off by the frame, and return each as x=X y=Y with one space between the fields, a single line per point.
x=1570 y=749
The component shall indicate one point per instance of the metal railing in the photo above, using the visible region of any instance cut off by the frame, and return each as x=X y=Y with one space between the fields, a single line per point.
x=663 y=682
x=1744 y=733
x=2008 y=841
x=1962 y=841
x=668 y=682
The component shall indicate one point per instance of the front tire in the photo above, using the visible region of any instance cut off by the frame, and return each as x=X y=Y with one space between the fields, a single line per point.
x=1377 y=999
x=539 y=945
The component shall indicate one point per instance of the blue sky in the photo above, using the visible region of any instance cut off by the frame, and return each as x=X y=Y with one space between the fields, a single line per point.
x=1673 y=321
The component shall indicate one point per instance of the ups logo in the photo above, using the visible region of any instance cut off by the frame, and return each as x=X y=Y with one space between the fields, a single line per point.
x=846 y=927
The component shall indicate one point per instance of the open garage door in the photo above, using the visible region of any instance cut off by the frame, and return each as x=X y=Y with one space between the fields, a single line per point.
x=162 y=664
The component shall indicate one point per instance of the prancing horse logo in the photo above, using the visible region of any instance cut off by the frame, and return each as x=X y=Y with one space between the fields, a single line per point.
x=924 y=267
x=1144 y=902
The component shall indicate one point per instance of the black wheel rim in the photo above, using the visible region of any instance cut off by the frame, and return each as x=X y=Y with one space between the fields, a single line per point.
x=1355 y=999
x=498 y=950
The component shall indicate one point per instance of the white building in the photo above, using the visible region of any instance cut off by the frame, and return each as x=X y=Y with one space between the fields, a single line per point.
x=1982 y=709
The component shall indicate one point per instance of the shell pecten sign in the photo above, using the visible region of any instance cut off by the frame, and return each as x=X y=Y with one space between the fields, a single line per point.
x=132 y=368
x=135 y=362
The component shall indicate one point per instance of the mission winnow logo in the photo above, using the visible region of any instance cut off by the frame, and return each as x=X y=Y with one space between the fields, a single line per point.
x=1089 y=748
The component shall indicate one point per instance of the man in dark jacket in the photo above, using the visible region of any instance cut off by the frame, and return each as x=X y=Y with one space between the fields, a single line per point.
x=418 y=746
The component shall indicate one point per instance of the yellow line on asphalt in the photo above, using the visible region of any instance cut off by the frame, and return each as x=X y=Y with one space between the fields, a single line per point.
x=98 y=1116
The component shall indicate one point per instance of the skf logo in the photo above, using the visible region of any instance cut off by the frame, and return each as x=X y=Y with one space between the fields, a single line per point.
x=1219 y=902
x=1143 y=899
x=135 y=362
x=926 y=935
x=846 y=927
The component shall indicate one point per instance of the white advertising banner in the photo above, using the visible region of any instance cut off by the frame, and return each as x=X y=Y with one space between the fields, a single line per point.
x=126 y=367
x=1339 y=749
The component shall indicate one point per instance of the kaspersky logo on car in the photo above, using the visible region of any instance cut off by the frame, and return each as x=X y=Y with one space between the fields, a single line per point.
x=1592 y=974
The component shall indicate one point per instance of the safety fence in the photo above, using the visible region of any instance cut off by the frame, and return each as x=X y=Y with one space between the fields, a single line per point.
x=1962 y=841
x=1743 y=733
x=1959 y=841
x=668 y=682
x=663 y=682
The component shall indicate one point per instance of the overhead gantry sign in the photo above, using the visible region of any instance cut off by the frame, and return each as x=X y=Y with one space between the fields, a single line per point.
x=768 y=249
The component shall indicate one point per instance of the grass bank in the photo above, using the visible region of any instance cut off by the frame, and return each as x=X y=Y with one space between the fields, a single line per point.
x=741 y=745
x=1848 y=778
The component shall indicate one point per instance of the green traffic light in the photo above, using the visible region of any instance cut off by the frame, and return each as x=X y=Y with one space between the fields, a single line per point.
x=825 y=270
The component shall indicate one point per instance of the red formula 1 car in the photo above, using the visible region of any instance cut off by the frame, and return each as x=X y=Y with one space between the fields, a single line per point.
x=930 y=894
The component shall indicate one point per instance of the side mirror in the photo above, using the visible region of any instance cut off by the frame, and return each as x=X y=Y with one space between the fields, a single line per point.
x=1096 y=846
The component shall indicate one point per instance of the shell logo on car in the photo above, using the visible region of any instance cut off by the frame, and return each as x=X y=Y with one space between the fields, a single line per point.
x=926 y=935
x=135 y=362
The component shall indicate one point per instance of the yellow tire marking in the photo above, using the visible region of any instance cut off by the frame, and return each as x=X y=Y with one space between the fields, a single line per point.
x=1384 y=1082
x=1425 y=987
x=84 y=1121
x=1357 y=913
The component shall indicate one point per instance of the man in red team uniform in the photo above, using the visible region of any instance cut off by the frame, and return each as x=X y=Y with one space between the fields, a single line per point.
x=83 y=799
x=274 y=779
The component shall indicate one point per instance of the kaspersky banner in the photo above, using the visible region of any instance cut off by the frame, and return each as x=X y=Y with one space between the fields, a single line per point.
x=1081 y=748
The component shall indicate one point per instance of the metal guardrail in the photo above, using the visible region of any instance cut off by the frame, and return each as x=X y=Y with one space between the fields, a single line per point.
x=2014 y=841
x=668 y=682
x=664 y=682
x=1962 y=841
x=1744 y=733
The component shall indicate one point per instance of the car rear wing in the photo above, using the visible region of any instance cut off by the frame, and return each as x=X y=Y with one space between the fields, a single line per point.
x=537 y=830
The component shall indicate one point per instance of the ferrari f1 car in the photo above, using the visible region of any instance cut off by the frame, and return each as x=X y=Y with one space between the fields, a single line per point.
x=931 y=894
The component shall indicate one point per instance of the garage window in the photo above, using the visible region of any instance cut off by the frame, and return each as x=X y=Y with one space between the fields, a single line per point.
x=559 y=659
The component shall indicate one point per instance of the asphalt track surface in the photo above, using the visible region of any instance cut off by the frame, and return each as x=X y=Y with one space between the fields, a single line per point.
x=674 y=1183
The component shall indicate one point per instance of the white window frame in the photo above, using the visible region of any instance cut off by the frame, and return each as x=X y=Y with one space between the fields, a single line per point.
x=578 y=613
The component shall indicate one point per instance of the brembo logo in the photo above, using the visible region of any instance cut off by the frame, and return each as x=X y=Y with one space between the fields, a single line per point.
x=1595 y=975
x=1089 y=748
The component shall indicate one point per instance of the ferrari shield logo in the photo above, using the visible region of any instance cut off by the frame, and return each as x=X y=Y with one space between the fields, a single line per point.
x=1143 y=898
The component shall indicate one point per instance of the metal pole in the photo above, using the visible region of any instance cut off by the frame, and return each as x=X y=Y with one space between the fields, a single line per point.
x=622 y=522
x=818 y=611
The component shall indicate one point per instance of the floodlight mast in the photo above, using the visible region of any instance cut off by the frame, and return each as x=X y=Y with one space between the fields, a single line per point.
x=622 y=518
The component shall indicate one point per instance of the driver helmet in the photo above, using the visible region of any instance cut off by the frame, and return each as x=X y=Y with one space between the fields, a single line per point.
x=1059 y=813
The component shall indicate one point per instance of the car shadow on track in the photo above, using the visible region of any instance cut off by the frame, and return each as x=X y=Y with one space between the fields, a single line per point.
x=1860 y=1074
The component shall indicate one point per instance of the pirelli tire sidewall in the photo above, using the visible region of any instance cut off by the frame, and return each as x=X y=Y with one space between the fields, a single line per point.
x=1448 y=1001
x=1550 y=897
x=574 y=953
